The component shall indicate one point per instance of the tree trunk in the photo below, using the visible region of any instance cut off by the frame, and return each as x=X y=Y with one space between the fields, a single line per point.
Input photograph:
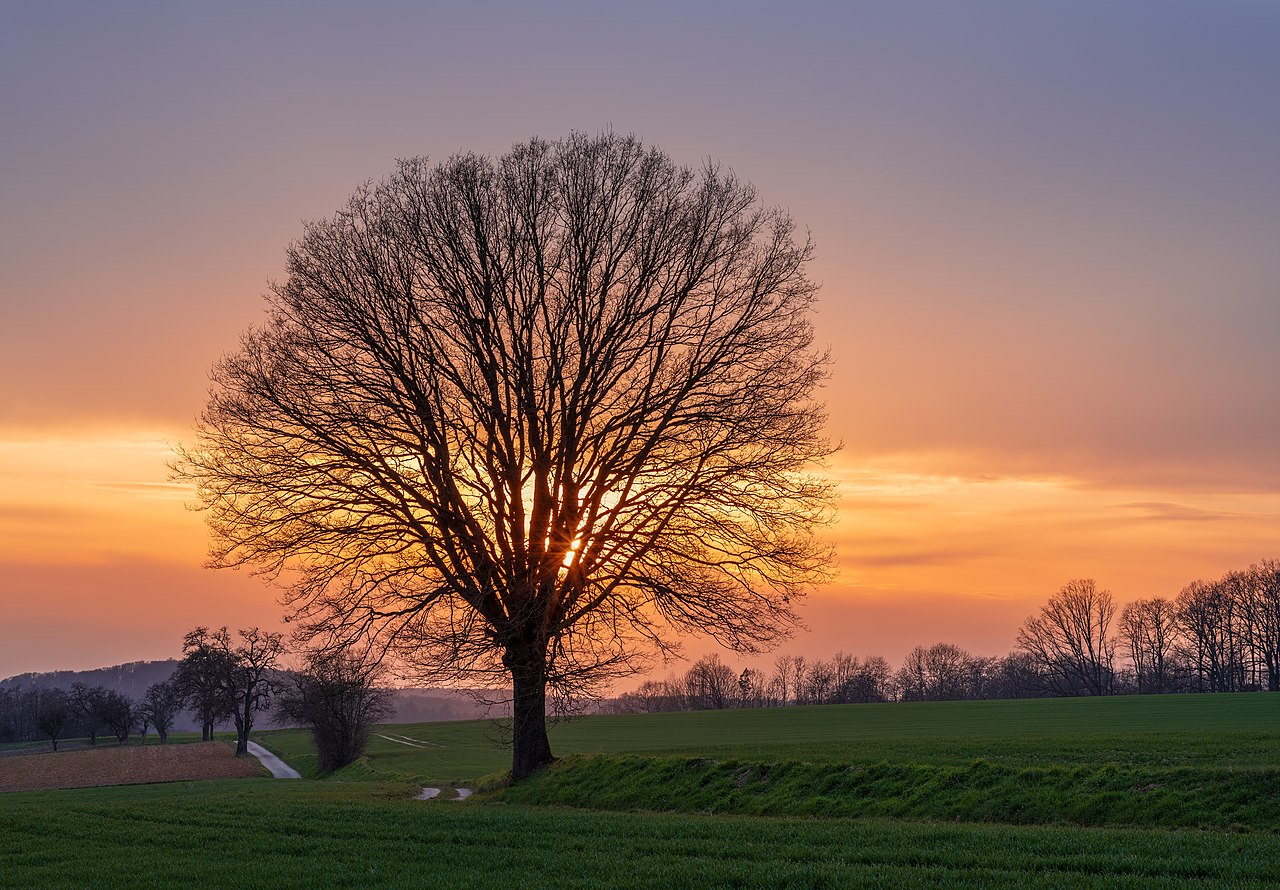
x=530 y=748
x=244 y=723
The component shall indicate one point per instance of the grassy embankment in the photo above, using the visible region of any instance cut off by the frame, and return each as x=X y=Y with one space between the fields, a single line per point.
x=1158 y=761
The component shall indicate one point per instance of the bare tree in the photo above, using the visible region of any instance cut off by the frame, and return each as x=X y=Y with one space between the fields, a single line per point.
x=53 y=713
x=528 y=416
x=161 y=704
x=337 y=698
x=88 y=704
x=751 y=688
x=200 y=680
x=709 y=684
x=1149 y=632
x=1259 y=593
x=248 y=676
x=1211 y=621
x=869 y=681
x=118 y=714
x=1070 y=639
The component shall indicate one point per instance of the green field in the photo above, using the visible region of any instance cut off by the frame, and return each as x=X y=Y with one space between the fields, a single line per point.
x=1240 y=732
x=775 y=798
x=252 y=833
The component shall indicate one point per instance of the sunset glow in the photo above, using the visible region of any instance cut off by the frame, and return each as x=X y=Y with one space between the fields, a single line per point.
x=1046 y=242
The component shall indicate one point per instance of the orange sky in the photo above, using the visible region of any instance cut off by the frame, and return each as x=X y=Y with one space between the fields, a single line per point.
x=1046 y=239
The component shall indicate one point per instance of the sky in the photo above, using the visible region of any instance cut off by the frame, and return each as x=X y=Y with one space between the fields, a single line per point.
x=1048 y=239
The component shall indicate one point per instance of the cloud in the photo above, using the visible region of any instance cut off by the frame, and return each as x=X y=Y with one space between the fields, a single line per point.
x=907 y=559
x=1170 y=512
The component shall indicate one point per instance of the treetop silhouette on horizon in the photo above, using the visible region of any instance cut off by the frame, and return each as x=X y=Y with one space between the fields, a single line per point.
x=533 y=415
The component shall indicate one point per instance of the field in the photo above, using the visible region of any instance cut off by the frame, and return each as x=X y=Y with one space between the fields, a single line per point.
x=667 y=800
x=1233 y=732
x=124 y=766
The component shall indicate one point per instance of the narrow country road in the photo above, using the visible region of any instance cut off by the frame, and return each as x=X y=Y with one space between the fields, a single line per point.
x=278 y=767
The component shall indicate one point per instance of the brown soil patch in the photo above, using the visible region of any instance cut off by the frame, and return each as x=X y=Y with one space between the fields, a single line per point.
x=129 y=765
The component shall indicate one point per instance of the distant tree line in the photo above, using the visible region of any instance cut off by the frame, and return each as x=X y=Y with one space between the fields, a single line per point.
x=31 y=713
x=1215 y=636
x=220 y=679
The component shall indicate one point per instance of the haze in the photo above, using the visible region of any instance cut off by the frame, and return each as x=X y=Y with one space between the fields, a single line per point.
x=1047 y=239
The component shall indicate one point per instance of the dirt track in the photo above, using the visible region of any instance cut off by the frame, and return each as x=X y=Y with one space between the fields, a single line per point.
x=130 y=765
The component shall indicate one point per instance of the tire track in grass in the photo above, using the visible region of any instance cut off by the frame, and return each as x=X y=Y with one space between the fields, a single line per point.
x=412 y=743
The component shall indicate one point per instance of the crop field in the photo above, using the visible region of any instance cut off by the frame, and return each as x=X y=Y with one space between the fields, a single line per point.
x=253 y=833
x=1231 y=732
x=1176 y=791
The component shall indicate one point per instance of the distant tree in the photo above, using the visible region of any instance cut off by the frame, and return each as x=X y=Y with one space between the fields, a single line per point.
x=248 y=676
x=819 y=682
x=868 y=681
x=201 y=680
x=1149 y=634
x=161 y=705
x=710 y=684
x=54 y=714
x=336 y=696
x=751 y=688
x=118 y=714
x=89 y=704
x=1211 y=620
x=10 y=714
x=1016 y=675
x=1259 y=593
x=530 y=417
x=1070 y=640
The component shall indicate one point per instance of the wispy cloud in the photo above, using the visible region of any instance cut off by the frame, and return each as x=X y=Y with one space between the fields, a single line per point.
x=1166 y=511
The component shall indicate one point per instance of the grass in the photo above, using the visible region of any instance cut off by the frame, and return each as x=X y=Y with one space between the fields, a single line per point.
x=863 y=795
x=979 y=792
x=1216 y=732
x=334 y=834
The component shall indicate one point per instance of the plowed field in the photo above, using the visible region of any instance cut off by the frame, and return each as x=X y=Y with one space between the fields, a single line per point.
x=128 y=765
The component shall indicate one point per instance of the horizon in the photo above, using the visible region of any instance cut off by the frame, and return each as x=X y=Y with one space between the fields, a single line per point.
x=1045 y=238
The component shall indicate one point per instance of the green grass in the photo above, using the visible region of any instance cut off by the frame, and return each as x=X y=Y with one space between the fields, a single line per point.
x=1227 y=732
x=979 y=792
x=251 y=833
x=964 y=794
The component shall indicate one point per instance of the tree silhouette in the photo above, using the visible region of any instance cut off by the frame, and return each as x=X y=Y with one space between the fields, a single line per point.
x=528 y=416
x=1070 y=640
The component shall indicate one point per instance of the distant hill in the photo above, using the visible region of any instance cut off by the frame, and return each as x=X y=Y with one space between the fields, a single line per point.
x=132 y=679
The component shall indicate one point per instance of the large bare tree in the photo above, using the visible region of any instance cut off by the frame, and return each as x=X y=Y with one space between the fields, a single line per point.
x=529 y=414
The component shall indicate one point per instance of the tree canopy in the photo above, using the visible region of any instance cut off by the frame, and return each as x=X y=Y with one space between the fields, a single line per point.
x=529 y=414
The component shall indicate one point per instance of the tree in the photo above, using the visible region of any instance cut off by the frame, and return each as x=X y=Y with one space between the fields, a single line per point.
x=199 y=679
x=529 y=416
x=1149 y=632
x=118 y=714
x=1259 y=593
x=88 y=704
x=336 y=697
x=161 y=704
x=709 y=684
x=1070 y=639
x=53 y=714
x=248 y=676
x=1211 y=621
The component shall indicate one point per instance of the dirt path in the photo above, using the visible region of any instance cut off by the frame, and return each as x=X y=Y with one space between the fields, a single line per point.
x=274 y=764
x=433 y=793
